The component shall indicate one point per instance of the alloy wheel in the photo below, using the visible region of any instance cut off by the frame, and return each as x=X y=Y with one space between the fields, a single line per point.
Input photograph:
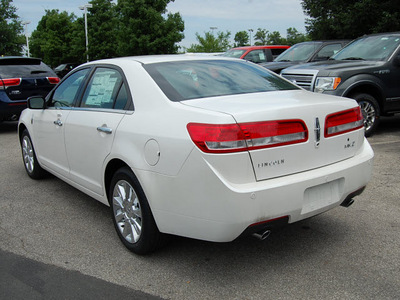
x=127 y=211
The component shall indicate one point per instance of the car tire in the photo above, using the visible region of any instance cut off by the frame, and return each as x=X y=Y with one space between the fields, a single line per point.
x=131 y=214
x=31 y=163
x=370 y=110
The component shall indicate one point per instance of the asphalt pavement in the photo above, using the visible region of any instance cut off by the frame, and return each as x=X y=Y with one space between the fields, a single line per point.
x=56 y=242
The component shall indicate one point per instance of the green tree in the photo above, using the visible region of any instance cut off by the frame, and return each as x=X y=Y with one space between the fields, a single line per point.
x=241 y=38
x=102 y=31
x=210 y=43
x=349 y=19
x=294 y=37
x=261 y=37
x=52 y=39
x=275 y=38
x=143 y=29
x=11 y=38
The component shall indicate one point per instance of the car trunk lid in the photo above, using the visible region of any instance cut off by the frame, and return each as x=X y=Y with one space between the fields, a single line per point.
x=299 y=106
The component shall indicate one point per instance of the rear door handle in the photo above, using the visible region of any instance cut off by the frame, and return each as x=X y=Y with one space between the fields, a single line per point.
x=58 y=122
x=104 y=129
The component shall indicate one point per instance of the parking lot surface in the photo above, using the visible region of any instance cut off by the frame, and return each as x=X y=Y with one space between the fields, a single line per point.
x=346 y=253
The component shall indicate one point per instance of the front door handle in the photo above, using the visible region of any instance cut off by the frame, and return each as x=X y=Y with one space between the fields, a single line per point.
x=58 y=122
x=104 y=129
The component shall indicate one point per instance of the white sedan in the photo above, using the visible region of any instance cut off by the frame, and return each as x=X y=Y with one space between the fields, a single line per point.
x=204 y=147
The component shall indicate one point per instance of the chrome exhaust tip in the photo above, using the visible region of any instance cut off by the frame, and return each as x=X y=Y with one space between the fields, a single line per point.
x=262 y=235
x=347 y=202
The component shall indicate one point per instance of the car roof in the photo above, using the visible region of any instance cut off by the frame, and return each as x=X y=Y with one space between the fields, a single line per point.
x=149 y=59
x=20 y=60
x=260 y=47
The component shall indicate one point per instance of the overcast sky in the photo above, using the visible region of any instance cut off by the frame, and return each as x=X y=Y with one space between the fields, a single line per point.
x=198 y=15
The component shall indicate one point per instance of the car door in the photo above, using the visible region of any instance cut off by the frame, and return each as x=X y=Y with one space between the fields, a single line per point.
x=49 y=124
x=91 y=127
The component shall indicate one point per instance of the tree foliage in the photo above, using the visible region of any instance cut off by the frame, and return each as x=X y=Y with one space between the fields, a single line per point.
x=130 y=27
x=144 y=30
x=261 y=37
x=349 y=19
x=54 y=38
x=11 y=38
x=294 y=37
x=241 y=38
x=210 y=43
x=102 y=31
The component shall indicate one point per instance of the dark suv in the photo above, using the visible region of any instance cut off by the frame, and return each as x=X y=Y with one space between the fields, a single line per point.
x=20 y=78
x=305 y=52
x=367 y=70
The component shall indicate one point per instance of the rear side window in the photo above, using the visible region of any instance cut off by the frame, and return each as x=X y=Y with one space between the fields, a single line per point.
x=184 y=80
x=24 y=68
x=276 y=52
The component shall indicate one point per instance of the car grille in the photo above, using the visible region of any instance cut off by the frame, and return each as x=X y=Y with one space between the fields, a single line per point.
x=302 y=80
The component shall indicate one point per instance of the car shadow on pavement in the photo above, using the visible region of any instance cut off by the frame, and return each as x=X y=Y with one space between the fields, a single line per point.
x=8 y=127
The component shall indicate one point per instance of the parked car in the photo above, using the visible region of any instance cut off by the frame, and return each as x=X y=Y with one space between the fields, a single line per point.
x=64 y=69
x=204 y=147
x=305 y=52
x=256 y=54
x=20 y=78
x=367 y=70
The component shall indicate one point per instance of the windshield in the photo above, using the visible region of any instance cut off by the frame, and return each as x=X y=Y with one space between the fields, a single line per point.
x=299 y=52
x=184 y=80
x=369 y=48
x=234 y=53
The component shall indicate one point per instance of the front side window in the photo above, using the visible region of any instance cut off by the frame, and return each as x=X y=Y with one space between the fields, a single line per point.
x=103 y=89
x=256 y=56
x=328 y=51
x=67 y=92
x=186 y=80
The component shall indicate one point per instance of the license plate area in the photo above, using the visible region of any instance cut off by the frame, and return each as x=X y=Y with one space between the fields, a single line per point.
x=322 y=195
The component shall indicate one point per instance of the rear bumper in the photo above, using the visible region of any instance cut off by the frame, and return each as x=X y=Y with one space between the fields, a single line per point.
x=199 y=203
x=10 y=108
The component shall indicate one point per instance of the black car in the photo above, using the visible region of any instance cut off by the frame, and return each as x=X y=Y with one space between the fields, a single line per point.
x=20 y=78
x=305 y=52
x=64 y=69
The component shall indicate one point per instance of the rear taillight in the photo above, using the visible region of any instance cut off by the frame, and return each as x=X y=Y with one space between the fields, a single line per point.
x=227 y=138
x=53 y=80
x=343 y=121
x=4 y=83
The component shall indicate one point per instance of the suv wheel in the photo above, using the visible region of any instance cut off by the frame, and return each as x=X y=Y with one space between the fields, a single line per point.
x=370 y=110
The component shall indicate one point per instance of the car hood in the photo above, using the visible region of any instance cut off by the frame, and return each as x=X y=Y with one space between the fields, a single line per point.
x=288 y=105
x=333 y=66
x=277 y=66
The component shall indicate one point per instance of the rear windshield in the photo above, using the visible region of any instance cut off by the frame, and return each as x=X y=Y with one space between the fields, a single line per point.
x=24 y=68
x=237 y=53
x=186 y=80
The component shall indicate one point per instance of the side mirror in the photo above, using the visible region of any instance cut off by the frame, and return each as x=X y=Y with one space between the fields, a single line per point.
x=36 y=102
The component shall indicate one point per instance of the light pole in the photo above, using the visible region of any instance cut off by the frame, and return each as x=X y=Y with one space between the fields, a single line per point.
x=213 y=28
x=26 y=35
x=84 y=8
x=250 y=30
